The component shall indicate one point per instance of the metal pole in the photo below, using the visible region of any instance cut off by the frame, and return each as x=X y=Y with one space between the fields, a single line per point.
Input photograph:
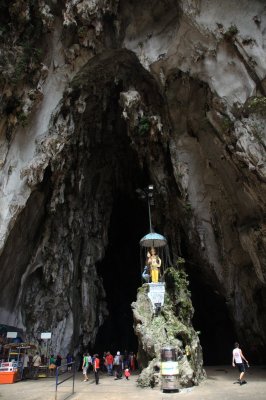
x=56 y=383
x=149 y=208
x=73 y=366
x=47 y=351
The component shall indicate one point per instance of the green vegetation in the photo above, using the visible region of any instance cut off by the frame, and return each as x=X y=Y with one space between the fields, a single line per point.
x=22 y=119
x=28 y=60
x=180 y=261
x=20 y=57
x=144 y=288
x=227 y=124
x=188 y=207
x=256 y=105
x=82 y=31
x=231 y=32
x=144 y=126
x=177 y=288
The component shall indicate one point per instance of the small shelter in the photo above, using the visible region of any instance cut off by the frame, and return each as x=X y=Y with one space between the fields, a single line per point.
x=154 y=251
x=158 y=244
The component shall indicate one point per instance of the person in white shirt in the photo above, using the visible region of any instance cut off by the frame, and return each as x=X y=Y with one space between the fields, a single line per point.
x=237 y=360
x=25 y=365
x=36 y=363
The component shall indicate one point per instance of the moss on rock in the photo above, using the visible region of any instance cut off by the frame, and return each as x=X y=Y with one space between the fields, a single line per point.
x=172 y=326
x=256 y=105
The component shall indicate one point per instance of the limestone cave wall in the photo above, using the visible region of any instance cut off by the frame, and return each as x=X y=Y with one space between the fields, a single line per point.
x=101 y=97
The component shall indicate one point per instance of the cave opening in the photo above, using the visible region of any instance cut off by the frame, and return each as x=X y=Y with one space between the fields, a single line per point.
x=120 y=267
x=121 y=273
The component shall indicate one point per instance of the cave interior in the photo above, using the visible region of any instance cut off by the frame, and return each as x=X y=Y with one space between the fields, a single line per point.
x=121 y=274
x=120 y=268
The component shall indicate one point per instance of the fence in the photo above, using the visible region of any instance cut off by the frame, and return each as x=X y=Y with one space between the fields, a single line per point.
x=60 y=372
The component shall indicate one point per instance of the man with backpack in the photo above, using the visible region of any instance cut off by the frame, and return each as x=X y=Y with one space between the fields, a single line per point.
x=118 y=366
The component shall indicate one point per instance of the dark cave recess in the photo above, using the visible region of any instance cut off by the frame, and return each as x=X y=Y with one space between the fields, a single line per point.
x=121 y=273
x=211 y=319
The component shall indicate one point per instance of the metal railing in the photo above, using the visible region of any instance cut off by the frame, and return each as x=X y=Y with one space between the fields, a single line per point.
x=60 y=372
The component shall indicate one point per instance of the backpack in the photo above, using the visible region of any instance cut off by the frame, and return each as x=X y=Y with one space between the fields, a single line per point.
x=117 y=360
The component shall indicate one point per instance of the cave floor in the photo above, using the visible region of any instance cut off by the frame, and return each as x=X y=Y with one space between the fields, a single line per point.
x=220 y=385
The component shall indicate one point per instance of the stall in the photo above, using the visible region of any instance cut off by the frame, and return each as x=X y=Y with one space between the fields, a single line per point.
x=11 y=370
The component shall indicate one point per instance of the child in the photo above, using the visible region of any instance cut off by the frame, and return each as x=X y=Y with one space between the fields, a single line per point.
x=127 y=374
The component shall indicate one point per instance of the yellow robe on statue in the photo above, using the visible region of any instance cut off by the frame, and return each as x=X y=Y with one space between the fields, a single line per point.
x=155 y=263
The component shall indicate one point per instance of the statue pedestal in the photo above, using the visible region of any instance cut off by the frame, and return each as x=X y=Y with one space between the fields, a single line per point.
x=156 y=294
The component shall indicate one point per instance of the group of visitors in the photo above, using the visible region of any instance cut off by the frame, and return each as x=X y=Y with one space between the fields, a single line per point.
x=119 y=364
x=32 y=364
x=56 y=361
x=113 y=365
x=91 y=362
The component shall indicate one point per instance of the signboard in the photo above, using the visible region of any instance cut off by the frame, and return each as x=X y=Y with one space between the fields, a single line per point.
x=11 y=335
x=8 y=367
x=169 y=368
x=6 y=364
x=156 y=293
x=46 y=335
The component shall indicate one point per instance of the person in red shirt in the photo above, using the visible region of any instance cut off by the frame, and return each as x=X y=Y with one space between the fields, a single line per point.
x=127 y=374
x=109 y=363
x=96 y=368
x=132 y=360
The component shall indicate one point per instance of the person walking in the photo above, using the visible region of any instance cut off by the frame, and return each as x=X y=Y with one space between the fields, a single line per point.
x=109 y=363
x=36 y=364
x=127 y=374
x=69 y=359
x=25 y=361
x=52 y=365
x=237 y=361
x=132 y=360
x=58 y=360
x=96 y=368
x=85 y=366
x=118 y=366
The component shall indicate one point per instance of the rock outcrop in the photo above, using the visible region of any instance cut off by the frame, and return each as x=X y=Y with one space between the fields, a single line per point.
x=171 y=327
x=96 y=92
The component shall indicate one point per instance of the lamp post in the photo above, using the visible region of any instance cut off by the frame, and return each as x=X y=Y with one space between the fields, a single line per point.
x=147 y=194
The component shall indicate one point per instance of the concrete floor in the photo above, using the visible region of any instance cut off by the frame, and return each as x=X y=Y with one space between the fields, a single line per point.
x=220 y=385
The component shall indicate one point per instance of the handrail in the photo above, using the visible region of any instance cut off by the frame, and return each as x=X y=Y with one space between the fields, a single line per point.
x=57 y=383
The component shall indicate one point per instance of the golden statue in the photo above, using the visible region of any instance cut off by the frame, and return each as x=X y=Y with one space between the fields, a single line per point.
x=154 y=262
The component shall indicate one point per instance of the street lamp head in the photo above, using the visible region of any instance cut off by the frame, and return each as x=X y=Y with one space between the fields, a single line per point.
x=147 y=194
